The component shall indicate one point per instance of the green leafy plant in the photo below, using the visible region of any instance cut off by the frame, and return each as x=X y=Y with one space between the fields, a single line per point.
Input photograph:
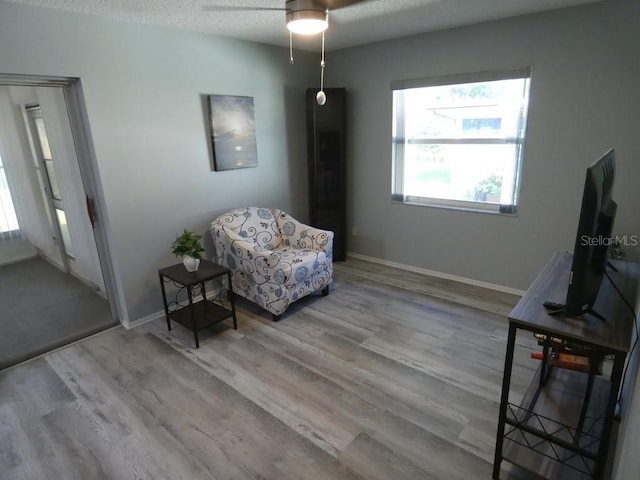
x=187 y=244
x=489 y=186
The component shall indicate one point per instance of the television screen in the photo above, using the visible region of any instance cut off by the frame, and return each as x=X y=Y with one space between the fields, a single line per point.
x=595 y=226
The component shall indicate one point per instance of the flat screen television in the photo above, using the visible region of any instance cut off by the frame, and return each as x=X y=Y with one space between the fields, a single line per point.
x=594 y=236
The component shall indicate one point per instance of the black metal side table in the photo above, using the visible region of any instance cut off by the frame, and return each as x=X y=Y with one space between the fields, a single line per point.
x=196 y=315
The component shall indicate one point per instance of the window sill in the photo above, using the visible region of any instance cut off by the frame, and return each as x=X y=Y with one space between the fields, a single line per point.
x=492 y=209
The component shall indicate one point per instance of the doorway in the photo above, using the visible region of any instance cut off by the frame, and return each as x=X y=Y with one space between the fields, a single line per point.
x=57 y=271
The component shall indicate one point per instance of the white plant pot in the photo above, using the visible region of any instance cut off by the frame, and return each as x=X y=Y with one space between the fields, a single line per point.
x=190 y=263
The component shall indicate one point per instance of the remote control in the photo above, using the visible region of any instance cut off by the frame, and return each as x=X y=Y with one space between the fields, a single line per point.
x=552 y=305
x=553 y=308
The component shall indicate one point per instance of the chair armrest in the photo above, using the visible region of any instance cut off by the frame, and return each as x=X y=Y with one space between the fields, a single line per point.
x=300 y=235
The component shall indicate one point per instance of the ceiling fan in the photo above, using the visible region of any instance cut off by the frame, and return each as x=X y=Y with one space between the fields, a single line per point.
x=304 y=17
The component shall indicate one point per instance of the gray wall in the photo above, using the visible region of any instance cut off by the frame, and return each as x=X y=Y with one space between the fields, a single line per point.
x=584 y=99
x=143 y=88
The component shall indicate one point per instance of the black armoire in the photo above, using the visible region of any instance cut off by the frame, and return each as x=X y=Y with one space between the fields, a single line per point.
x=326 y=153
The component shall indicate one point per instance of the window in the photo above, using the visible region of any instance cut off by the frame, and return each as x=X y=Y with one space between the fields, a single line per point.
x=8 y=220
x=458 y=140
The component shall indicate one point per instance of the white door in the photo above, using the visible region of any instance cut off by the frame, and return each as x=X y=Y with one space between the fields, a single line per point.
x=50 y=189
x=56 y=163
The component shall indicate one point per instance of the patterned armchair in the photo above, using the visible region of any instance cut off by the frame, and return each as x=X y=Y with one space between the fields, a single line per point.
x=274 y=259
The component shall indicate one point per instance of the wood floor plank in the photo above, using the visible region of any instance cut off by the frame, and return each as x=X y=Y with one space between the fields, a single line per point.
x=497 y=302
x=413 y=392
x=114 y=420
x=36 y=387
x=302 y=415
x=350 y=409
x=368 y=384
x=198 y=404
x=28 y=396
x=16 y=449
x=386 y=378
x=389 y=464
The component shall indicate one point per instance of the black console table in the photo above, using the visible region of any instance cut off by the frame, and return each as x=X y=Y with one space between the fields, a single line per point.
x=562 y=427
x=205 y=312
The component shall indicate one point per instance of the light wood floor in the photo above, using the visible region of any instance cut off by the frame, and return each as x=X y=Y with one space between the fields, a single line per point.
x=372 y=382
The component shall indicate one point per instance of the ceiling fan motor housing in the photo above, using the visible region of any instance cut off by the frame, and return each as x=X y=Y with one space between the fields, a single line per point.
x=305 y=10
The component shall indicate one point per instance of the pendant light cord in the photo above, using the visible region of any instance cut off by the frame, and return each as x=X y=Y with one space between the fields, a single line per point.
x=322 y=65
x=290 y=47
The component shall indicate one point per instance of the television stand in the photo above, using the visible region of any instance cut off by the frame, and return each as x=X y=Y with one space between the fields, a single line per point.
x=562 y=427
x=592 y=312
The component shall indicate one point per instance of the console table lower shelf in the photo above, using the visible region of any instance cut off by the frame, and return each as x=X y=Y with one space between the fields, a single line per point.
x=565 y=425
x=535 y=440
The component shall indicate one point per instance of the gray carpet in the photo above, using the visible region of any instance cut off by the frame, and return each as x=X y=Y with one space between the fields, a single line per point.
x=42 y=308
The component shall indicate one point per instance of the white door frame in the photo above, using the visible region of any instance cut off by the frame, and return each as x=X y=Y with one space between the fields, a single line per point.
x=87 y=162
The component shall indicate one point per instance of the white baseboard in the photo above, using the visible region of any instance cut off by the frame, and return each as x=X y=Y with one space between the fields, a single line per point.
x=433 y=273
x=141 y=321
x=13 y=251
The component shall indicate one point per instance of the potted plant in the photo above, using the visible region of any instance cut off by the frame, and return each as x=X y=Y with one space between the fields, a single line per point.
x=188 y=247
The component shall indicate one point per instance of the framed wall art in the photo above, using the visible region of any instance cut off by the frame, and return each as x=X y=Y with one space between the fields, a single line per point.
x=233 y=132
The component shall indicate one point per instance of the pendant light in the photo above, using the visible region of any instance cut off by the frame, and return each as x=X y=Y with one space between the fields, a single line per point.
x=305 y=17
x=321 y=97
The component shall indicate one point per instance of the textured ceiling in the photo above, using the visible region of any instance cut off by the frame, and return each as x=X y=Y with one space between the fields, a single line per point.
x=365 y=22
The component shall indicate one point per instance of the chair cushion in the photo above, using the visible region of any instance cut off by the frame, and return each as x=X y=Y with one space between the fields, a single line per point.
x=299 y=264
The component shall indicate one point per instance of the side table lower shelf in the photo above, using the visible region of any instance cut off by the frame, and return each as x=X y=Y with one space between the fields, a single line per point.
x=205 y=313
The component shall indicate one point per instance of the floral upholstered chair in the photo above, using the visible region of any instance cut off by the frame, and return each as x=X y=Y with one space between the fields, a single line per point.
x=273 y=258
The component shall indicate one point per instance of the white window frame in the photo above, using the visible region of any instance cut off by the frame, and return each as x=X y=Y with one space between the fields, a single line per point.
x=399 y=141
x=7 y=208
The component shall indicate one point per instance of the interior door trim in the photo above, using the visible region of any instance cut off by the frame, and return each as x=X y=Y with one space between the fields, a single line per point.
x=87 y=160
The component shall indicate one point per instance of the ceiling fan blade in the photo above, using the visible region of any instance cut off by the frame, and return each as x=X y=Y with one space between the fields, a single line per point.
x=337 y=4
x=233 y=8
